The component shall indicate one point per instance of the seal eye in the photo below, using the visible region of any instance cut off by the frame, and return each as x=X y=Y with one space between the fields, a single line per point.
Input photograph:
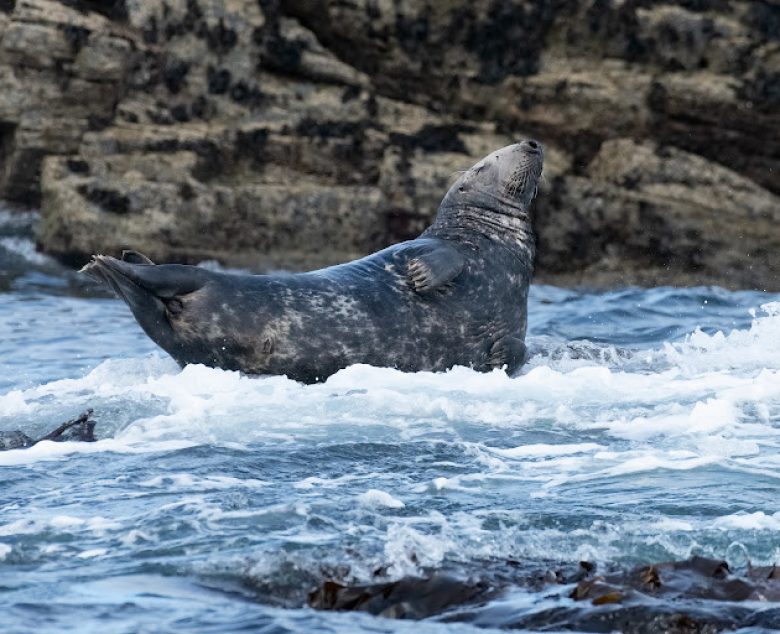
x=461 y=189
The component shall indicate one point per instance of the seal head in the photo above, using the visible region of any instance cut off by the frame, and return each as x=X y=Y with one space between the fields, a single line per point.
x=508 y=176
x=494 y=198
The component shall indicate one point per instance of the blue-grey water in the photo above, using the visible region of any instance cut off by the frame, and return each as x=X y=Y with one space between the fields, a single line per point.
x=645 y=427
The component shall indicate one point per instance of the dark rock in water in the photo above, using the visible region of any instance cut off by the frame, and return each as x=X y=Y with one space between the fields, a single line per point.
x=698 y=595
x=80 y=429
x=701 y=578
x=409 y=598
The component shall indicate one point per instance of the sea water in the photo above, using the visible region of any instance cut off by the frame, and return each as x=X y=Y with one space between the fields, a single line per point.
x=645 y=427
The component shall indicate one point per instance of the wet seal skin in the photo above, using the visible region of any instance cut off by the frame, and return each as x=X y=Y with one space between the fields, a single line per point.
x=80 y=429
x=457 y=295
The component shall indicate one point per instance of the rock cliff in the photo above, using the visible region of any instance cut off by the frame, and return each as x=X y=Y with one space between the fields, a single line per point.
x=296 y=133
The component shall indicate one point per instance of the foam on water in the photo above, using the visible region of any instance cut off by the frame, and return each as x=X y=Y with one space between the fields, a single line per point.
x=25 y=249
x=702 y=396
x=754 y=348
x=16 y=243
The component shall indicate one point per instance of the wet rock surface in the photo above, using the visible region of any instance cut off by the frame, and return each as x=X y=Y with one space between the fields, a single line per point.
x=301 y=133
x=80 y=429
x=697 y=595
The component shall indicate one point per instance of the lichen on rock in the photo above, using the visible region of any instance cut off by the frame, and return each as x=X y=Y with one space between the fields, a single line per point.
x=302 y=133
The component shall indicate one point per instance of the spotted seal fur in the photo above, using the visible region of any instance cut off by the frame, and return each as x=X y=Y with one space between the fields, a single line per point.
x=457 y=295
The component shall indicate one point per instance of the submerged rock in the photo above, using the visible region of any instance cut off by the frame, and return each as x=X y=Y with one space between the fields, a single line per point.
x=697 y=595
x=408 y=598
x=80 y=429
x=698 y=577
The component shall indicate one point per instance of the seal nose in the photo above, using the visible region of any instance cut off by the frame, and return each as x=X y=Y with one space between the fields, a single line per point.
x=532 y=146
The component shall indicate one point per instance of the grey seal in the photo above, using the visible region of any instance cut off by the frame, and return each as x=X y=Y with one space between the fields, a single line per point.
x=456 y=295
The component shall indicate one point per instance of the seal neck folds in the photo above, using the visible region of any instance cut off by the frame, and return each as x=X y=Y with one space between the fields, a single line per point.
x=458 y=222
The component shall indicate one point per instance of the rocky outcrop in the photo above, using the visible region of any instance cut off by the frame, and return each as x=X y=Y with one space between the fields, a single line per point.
x=296 y=133
x=670 y=215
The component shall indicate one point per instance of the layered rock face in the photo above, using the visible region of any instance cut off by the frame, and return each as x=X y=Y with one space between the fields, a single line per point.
x=297 y=133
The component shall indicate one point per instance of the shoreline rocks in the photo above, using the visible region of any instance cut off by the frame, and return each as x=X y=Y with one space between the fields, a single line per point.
x=302 y=133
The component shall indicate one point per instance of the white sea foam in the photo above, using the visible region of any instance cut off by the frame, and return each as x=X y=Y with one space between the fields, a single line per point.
x=712 y=403
x=544 y=450
x=693 y=406
x=48 y=450
x=752 y=521
x=377 y=498
x=136 y=536
x=313 y=482
x=94 y=552
x=58 y=524
x=408 y=550
x=187 y=481
x=16 y=220
x=753 y=349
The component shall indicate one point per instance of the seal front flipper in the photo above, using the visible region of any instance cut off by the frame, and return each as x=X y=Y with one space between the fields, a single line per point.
x=433 y=267
x=507 y=352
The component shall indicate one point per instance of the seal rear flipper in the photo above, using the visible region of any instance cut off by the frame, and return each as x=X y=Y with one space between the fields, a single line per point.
x=152 y=293
x=165 y=281
x=433 y=267
x=83 y=432
x=134 y=257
